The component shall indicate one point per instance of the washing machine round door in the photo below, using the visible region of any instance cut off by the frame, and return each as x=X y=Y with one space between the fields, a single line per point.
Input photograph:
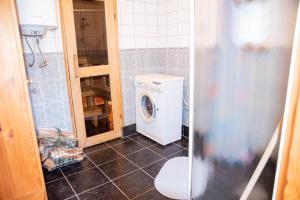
x=147 y=107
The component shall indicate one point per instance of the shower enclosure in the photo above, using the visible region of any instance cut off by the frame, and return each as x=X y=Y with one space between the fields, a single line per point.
x=242 y=54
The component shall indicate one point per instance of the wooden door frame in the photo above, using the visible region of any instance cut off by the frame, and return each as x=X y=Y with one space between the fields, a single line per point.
x=287 y=185
x=21 y=175
x=69 y=41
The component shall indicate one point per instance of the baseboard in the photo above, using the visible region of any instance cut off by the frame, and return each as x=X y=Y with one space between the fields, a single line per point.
x=185 y=131
x=129 y=130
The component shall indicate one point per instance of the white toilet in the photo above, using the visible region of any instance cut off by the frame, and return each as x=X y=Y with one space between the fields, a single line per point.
x=172 y=180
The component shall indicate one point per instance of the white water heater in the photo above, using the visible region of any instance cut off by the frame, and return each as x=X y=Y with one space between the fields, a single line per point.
x=36 y=17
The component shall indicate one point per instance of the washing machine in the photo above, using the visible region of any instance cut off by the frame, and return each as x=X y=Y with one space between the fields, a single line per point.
x=159 y=107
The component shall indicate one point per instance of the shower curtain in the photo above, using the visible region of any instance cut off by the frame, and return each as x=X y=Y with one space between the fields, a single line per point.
x=242 y=58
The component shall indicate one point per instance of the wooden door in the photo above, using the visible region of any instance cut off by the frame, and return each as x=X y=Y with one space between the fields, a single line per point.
x=287 y=185
x=90 y=35
x=20 y=169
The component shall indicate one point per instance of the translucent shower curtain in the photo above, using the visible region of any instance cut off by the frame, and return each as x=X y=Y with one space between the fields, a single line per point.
x=242 y=58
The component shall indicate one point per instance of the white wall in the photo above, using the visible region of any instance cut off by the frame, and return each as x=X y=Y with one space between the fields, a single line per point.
x=173 y=23
x=153 y=23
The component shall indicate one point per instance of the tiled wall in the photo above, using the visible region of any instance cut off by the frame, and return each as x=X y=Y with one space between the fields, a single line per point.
x=49 y=93
x=173 y=61
x=153 y=23
x=173 y=23
x=138 y=24
x=153 y=39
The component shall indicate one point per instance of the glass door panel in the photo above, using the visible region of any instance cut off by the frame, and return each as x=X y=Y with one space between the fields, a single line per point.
x=97 y=104
x=242 y=59
x=91 y=34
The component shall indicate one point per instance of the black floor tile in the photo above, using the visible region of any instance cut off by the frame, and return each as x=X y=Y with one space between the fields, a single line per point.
x=180 y=153
x=87 y=179
x=142 y=140
x=118 y=141
x=103 y=156
x=117 y=168
x=95 y=148
x=184 y=142
x=128 y=147
x=59 y=189
x=166 y=150
x=77 y=167
x=154 y=168
x=151 y=195
x=144 y=157
x=135 y=183
x=53 y=175
x=105 y=192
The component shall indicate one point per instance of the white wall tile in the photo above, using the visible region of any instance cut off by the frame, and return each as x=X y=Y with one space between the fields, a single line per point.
x=128 y=42
x=183 y=16
x=127 y=31
x=127 y=18
x=162 y=31
x=172 y=29
x=139 y=7
x=139 y=19
x=140 y=31
x=141 y=42
x=151 y=8
x=172 y=17
x=151 y=20
x=126 y=6
x=172 y=5
x=183 y=4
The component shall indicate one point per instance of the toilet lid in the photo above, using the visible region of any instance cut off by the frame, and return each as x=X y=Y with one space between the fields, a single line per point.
x=172 y=180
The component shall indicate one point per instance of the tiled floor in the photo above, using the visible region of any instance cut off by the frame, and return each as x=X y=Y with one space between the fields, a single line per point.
x=124 y=168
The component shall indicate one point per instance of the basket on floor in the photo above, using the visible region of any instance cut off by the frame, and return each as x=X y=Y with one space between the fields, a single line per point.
x=58 y=148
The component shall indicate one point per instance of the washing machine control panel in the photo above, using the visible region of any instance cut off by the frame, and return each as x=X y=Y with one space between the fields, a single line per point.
x=150 y=85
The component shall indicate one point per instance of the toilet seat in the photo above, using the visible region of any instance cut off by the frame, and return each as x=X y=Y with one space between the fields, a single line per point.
x=172 y=180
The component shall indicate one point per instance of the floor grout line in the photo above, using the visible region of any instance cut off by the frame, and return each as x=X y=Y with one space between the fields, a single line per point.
x=93 y=188
x=54 y=180
x=138 y=168
x=72 y=197
x=148 y=147
x=144 y=147
x=136 y=165
x=108 y=145
x=69 y=183
x=168 y=157
x=154 y=162
x=110 y=180
x=178 y=145
x=114 y=158
x=80 y=171
x=95 y=150
x=185 y=136
x=142 y=193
